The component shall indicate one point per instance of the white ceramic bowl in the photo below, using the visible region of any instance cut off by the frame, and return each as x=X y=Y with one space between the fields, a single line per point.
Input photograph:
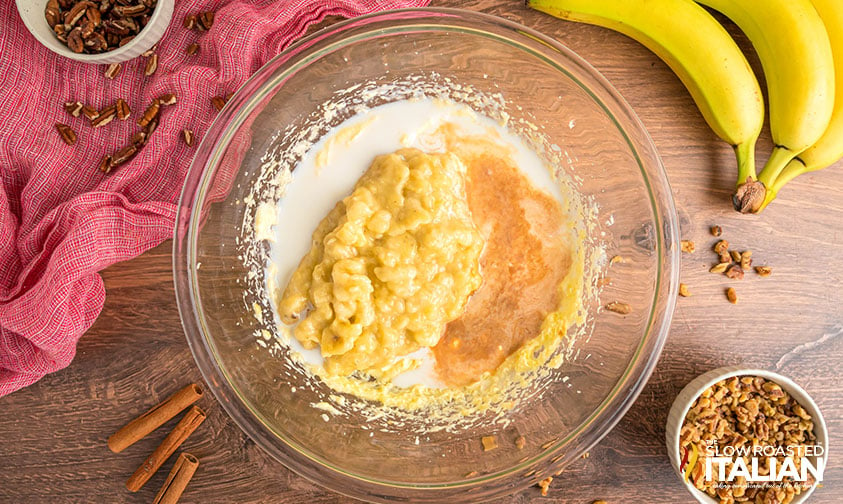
x=32 y=13
x=692 y=391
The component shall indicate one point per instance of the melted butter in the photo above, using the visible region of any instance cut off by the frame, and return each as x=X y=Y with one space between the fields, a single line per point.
x=524 y=260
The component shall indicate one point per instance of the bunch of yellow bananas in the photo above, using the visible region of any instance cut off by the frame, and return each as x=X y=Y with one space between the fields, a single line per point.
x=800 y=45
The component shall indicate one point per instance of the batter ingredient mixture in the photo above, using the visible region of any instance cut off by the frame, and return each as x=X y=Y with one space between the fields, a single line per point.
x=390 y=265
x=446 y=279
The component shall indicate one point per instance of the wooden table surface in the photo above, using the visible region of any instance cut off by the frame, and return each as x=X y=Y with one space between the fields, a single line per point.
x=52 y=434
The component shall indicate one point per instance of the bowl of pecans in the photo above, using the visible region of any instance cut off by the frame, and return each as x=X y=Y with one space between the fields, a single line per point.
x=737 y=434
x=103 y=31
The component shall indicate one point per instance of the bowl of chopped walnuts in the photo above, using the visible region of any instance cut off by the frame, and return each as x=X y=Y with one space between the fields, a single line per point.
x=103 y=31
x=738 y=434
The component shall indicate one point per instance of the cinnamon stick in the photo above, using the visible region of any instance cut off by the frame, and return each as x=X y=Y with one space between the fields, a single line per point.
x=189 y=422
x=177 y=480
x=154 y=418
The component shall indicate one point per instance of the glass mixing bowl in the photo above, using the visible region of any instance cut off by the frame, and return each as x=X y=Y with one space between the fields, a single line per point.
x=602 y=147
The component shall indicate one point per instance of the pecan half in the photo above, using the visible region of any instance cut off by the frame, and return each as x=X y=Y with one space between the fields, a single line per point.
x=124 y=155
x=105 y=116
x=151 y=65
x=52 y=13
x=149 y=114
x=73 y=108
x=218 y=102
x=123 y=110
x=113 y=70
x=67 y=134
x=168 y=99
x=74 y=40
x=188 y=137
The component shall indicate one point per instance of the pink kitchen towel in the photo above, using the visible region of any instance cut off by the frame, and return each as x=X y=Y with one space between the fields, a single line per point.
x=61 y=219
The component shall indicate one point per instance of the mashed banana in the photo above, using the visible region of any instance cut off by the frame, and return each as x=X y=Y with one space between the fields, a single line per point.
x=389 y=266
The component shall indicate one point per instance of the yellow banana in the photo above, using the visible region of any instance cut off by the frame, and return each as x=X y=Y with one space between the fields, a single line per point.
x=795 y=52
x=698 y=49
x=829 y=148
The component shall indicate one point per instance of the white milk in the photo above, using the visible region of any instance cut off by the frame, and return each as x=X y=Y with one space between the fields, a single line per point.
x=327 y=173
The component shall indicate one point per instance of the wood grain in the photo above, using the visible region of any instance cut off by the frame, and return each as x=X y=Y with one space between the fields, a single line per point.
x=52 y=447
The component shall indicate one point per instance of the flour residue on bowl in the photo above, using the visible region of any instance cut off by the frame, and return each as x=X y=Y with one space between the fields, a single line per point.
x=515 y=330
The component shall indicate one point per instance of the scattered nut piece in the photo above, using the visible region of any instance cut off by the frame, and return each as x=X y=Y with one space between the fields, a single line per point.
x=545 y=484
x=168 y=99
x=149 y=52
x=489 y=443
x=746 y=260
x=124 y=155
x=604 y=281
x=192 y=49
x=520 y=442
x=683 y=290
x=139 y=138
x=734 y=272
x=190 y=21
x=764 y=271
x=599 y=501
x=688 y=246
x=105 y=164
x=622 y=308
x=470 y=474
x=218 y=102
x=716 y=230
x=719 y=267
x=73 y=108
x=585 y=455
x=90 y=112
x=149 y=114
x=721 y=247
x=123 y=110
x=206 y=20
x=731 y=295
x=725 y=257
x=151 y=65
x=105 y=116
x=188 y=137
x=616 y=259
x=67 y=134
x=736 y=256
x=113 y=70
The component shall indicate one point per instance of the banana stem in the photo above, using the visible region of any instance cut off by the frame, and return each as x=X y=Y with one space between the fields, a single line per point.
x=745 y=153
x=780 y=158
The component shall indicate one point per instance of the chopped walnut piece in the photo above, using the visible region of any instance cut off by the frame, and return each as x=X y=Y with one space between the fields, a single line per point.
x=731 y=295
x=489 y=443
x=545 y=484
x=734 y=272
x=764 y=271
x=621 y=308
x=746 y=260
x=721 y=247
x=688 y=246
x=683 y=290
x=719 y=268
x=520 y=442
